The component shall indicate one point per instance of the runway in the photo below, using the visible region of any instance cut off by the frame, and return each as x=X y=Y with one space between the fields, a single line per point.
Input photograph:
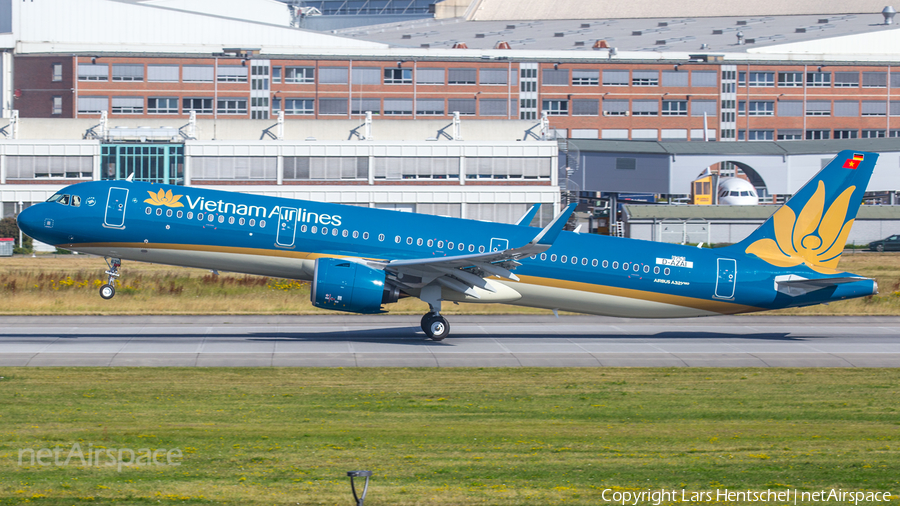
x=475 y=341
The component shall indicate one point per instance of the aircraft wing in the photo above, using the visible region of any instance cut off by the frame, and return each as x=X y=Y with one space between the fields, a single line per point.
x=464 y=273
x=795 y=285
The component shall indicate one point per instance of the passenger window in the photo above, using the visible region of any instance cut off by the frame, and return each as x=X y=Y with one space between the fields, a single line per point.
x=76 y=201
x=481 y=249
x=450 y=245
x=656 y=270
x=190 y=216
x=462 y=246
x=253 y=223
x=148 y=211
x=345 y=233
x=168 y=213
x=636 y=268
x=324 y=230
x=380 y=236
x=553 y=257
x=625 y=266
x=159 y=212
x=543 y=256
x=209 y=217
x=200 y=216
x=221 y=217
x=646 y=268
x=584 y=261
x=179 y=214
x=419 y=242
x=409 y=240
x=302 y=227
x=334 y=232
x=594 y=263
x=615 y=264
x=605 y=264
x=241 y=222
x=563 y=258
x=262 y=223
x=430 y=242
x=366 y=236
x=471 y=248
x=231 y=220
x=355 y=234
x=666 y=272
x=440 y=244
x=397 y=239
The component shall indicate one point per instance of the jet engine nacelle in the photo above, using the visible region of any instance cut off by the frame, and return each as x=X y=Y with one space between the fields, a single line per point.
x=343 y=285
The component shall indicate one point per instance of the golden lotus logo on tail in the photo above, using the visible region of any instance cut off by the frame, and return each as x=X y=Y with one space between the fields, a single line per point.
x=164 y=198
x=816 y=238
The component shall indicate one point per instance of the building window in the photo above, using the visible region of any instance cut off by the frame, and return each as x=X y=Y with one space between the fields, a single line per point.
x=231 y=106
x=626 y=163
x=92 y=105
x=397 y=76
x=493 y=107
x=790 y=79
x=333 y=75
x=675 y=78
x=645 y=78
x=764 y=79
x=398 y=106
x=128 y=105
x=818 y=135
x=57 y=72
x=127 y=72
x=615 y=107
x=761 y=135
x=846 y=134
x=234 y=167
x=553 y=77
x=366 y=75
x=645 y=107
x=231 y=74
x=333 y=106
x=299 y=106
x=93 y=72
x=846 y=108
x=556 y=107
x=363 y=105
x=704 y=78
x=585 y=77
x=162 y=105
x=162 y=73
x=197 y=73
x=506 y=168
x=615 y=78
x=528 y=86
x=873 y=134
x=494 y=76
x=199 y=105
x=846 y=79
x=818 y=108
x=790 y=135
x=430 y=106
x=56 y=167
x=818 y=79
x=586 y=107
x=674 y=108
x=57 y=106
x=276 y=74
x=300 y=168
x=874 y=79
x=430 y=76
x=462 y=76
x=465 y=106
x=761 y=108
x=874 y=108
x=300 y=75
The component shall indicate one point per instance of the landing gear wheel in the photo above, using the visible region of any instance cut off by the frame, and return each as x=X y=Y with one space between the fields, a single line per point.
x=437 y=328
x=424 y=323
x=107 y=291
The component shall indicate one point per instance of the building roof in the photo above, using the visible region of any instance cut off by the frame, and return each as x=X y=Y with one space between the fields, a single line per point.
x=752 y=213
x=658 y=34
x=523 y=10
x=122 y=26
x=762 y=148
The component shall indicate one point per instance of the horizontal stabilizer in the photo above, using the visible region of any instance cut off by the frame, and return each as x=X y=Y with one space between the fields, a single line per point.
x=795 y=285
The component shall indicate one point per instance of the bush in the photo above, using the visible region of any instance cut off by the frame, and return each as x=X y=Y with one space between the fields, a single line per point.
x=9 y=228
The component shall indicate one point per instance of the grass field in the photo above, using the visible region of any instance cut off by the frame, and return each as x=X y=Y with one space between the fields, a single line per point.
x=447 y=437
x=67 y=284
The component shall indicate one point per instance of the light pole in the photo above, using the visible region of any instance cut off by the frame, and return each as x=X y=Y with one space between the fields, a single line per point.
x=21 y=208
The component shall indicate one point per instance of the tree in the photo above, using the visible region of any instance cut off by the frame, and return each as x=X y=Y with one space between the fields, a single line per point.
x=9 y=228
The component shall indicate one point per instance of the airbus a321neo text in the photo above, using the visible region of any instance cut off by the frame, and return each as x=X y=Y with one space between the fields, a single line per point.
x=359 y=259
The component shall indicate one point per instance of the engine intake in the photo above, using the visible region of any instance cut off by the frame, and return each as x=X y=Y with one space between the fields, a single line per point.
x=343 y=285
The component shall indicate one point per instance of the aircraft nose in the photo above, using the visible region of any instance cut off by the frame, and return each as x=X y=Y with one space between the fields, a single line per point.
x=31 y=222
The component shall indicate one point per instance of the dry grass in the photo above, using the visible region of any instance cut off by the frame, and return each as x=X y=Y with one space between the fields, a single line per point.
x=68 y=284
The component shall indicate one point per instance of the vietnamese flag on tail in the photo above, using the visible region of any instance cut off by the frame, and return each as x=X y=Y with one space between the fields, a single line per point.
x=854 y=162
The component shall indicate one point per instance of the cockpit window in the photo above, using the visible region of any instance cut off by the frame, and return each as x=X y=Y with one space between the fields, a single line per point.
x=76 y=200
x=55 y=197
x=64 y=200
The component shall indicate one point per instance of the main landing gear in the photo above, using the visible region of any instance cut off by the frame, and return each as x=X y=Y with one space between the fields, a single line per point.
x=108 y=290
x=435 y=326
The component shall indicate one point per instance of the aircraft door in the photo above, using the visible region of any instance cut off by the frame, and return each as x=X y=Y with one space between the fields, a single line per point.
x=115 y=208
x=499 y=244
x=287 y=224
x=727 y=269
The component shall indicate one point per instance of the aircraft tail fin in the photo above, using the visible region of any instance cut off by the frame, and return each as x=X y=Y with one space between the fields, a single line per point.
x=812 y=228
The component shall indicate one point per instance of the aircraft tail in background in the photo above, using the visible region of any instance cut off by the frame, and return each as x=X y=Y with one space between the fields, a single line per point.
x=812 y=228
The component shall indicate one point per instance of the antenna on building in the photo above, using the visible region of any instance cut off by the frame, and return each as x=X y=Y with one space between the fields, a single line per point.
x=888 y=13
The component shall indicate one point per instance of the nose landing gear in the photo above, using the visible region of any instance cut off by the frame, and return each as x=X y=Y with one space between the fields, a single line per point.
x=435 y=326
x=108 y=290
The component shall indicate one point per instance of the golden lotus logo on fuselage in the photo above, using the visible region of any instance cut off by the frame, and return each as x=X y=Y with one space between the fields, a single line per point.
x=815 y=238
x=164 y=198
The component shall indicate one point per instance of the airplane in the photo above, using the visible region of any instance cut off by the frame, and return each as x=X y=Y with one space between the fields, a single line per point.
x=360 y=259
